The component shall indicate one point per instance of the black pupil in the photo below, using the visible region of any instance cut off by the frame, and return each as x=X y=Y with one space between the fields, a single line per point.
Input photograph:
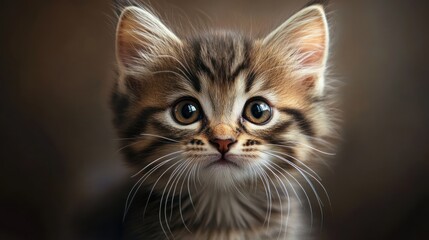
x=188 y=110
x=258 y=110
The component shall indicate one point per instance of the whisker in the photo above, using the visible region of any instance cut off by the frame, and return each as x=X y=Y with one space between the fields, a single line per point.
x=141 y=180
x=144 y=177
x=302 y=188
x=280 y=199
x=301 y=171
x=173 y=176
x=317 y=180
x=320 y=141
x=152 y=162
x=290 y=184
x=140 y=137
x=180 y=200
x=156 y=182
x=189 y=192
x=270 y=204
x=266 y=193
x=159 y=136
x=128 y=145
x=299 y=161
x=182 y=171
x=305 y=145
x=292 y=164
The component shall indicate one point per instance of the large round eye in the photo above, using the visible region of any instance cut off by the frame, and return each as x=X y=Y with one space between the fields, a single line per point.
x=187 y=112
x=257 y=111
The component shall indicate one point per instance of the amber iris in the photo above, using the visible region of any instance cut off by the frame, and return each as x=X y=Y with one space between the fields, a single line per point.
x=187 y=112
x=257 y=112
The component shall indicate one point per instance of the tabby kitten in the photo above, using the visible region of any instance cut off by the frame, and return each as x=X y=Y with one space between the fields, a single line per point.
x=219 y=126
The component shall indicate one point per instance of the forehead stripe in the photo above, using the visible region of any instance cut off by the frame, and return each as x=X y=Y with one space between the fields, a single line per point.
x=245 y=63
x=203 y=68
x=193 y=80
x=250 y=81
x=199 y=66
x=243 y=66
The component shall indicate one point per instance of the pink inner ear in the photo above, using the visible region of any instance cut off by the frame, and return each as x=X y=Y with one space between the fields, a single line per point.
x=309 y=82
x=311 y=56
x=311 y=43
x=308 y=37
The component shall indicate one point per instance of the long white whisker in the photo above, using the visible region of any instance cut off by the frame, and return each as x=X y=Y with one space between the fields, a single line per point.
x=280 y=199
x=173 y=176
x=319 y=201
x=300 y=162
x=308 y=146
x=128 y=145
x=180 y=199
x=294 y=165
x=140 y=137
x=266 y=193
x=156 y=182
x=290 y=184
x=143 y=178
x=263 y=174
x=302 y=188
x=159 y=136
x=182 y=171
x=189 y=191
x=129 y=194
x=152 y=162
x=317 y=180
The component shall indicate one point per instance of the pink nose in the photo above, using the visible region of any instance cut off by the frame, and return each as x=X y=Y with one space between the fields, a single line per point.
x=223 y=144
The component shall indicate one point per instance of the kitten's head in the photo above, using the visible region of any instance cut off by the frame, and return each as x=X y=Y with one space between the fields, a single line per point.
x=220 y=106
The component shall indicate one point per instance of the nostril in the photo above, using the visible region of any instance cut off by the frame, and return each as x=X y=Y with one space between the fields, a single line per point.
x=223 y=145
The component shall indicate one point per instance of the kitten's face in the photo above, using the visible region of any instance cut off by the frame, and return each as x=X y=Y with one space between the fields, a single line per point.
x=220 y=107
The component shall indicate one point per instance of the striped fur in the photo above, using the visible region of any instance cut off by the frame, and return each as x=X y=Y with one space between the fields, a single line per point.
x=179 y=193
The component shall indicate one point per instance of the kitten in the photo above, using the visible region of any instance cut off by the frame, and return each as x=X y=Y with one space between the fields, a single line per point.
x=219 y=126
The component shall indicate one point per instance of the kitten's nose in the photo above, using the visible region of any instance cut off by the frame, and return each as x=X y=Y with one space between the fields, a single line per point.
x=223 y=144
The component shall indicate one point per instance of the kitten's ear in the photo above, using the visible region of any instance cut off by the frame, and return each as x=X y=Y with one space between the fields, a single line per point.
x=304 y=41
x=140 y=36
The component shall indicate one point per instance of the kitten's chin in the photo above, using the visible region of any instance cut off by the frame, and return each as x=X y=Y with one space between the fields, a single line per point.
x=223 y=163
x=225 y=172
x=223 y=179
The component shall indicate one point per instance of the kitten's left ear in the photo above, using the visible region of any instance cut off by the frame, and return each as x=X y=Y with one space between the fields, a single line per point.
x=303 y=40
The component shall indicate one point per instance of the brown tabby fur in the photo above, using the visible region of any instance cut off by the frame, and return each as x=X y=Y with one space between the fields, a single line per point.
x=178 y=194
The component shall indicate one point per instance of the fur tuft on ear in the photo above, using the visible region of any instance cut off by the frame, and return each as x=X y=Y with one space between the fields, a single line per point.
x=140 y=36
x=304 y=41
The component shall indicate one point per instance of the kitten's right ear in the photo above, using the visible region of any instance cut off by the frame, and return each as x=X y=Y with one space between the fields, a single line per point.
x=304 y=41
x=140 y=36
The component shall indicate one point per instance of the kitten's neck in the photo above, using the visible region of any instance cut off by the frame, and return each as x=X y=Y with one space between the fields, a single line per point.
x=235 y=208
x=214 y=214
x=231 y=209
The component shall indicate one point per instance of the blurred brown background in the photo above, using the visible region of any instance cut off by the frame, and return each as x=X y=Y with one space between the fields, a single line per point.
x=62 y=177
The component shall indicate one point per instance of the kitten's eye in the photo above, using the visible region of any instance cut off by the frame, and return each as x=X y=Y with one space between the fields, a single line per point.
x=187 y=112
x=257 y=112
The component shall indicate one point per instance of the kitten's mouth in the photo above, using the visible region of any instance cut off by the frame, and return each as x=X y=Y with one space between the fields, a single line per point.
x=223 y=162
